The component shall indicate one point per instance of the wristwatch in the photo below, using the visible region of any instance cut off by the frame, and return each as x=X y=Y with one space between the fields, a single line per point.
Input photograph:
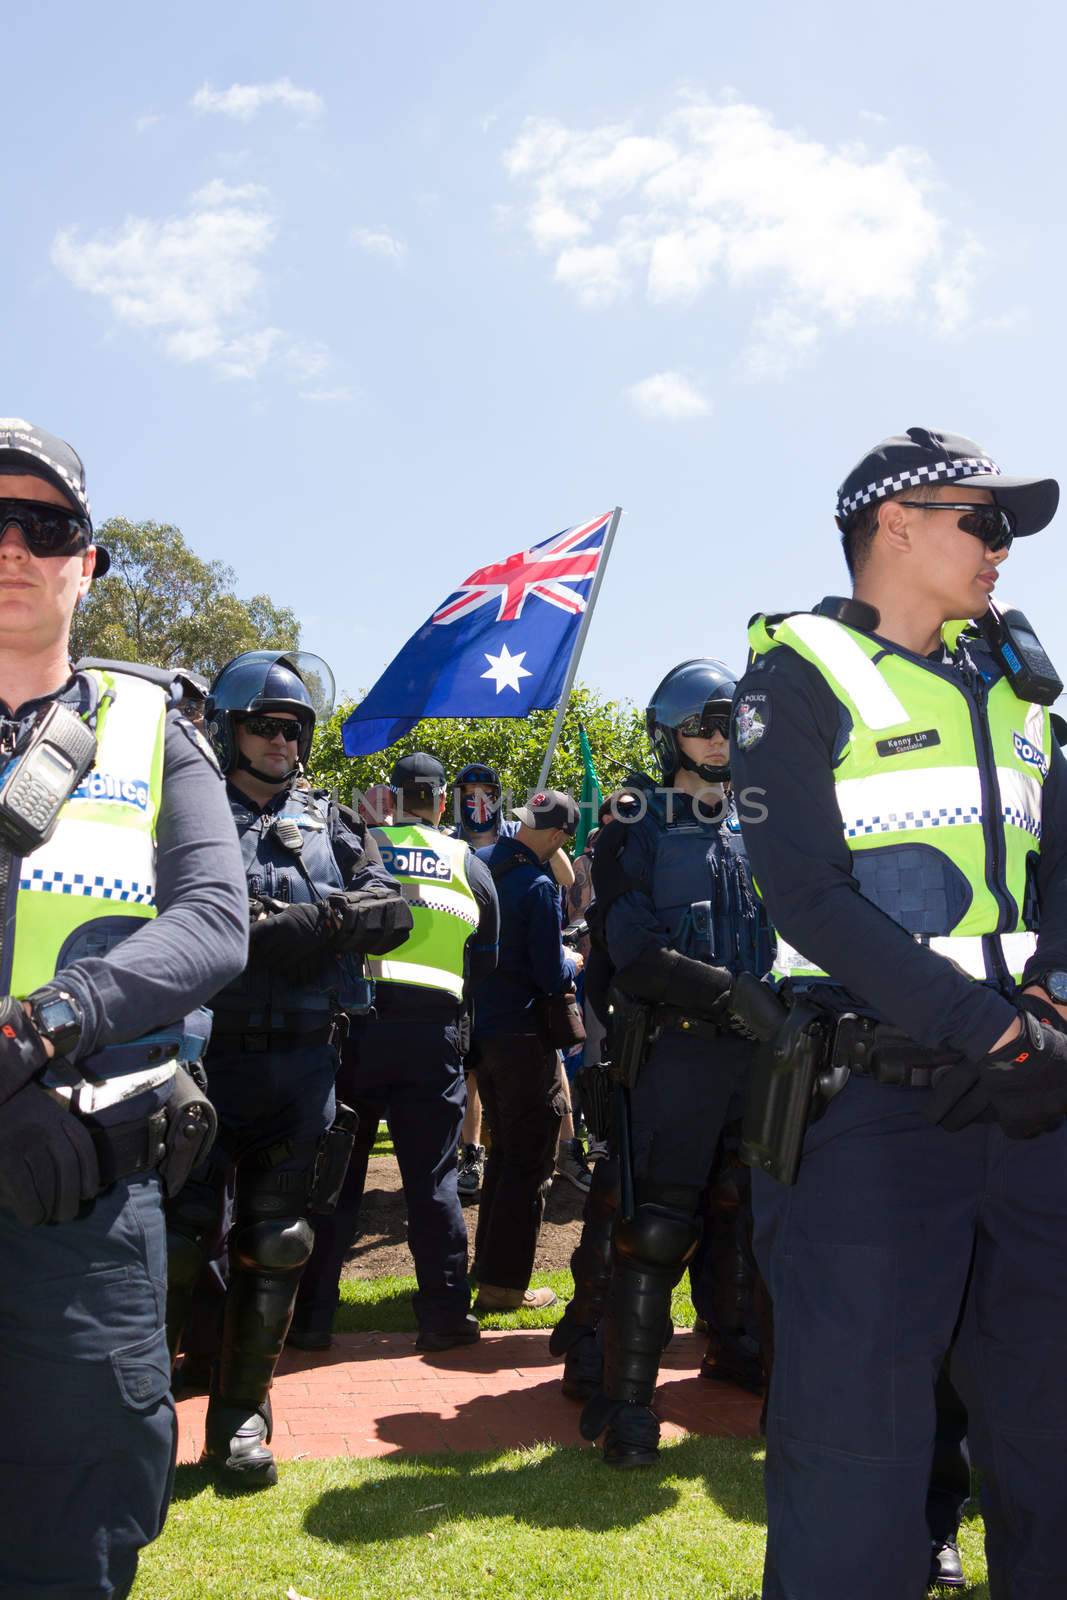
x=57 y=1017
x=1054 y=982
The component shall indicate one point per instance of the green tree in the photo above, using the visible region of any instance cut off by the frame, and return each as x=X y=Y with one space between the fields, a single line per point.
x=161 y=604
x=515 y=746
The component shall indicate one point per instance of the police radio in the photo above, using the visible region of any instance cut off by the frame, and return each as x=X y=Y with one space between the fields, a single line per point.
x=37 y=782
x=1019 y=651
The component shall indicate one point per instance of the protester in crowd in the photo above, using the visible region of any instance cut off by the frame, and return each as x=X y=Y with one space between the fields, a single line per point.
x=126 y=908
x=517 y=1031
x=320 y=900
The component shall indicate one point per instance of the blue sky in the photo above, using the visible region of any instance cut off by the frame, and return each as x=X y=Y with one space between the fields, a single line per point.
x=363 y=296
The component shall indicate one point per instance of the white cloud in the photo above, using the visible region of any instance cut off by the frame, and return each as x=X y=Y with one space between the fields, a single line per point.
x=380 y=241
x=243 y=101
x=194 y=280
x=149 y=120
x=719 y=199
x=670 y=395
x=327 y=396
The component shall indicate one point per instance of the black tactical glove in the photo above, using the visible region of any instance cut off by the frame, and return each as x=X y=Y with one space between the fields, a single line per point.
x=1040 y=1008
x=21 y=1052
x=958 y=1097
x=663 y=977
x=281 y=937
x=1026 y=1079
x=48 y=1165
x=371 y=920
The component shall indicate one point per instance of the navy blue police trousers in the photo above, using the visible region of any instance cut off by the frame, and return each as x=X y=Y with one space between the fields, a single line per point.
x=87 y=1425
x=896 y=1237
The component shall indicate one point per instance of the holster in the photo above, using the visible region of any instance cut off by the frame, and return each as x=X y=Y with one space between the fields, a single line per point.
x=191 y=1128
x=631 y=1032
x=782 y=1091
x=331 y=1161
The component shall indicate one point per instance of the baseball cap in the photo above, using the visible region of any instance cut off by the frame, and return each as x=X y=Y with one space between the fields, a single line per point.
x=26 y=448
x=922 y=456
x=417 y=768
x=550 y=809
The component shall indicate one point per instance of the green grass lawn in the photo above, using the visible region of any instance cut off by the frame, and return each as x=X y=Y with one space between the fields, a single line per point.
x=383 y=1305
x=543 y=1522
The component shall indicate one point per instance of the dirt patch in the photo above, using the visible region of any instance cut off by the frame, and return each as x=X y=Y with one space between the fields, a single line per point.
x=381 y=1248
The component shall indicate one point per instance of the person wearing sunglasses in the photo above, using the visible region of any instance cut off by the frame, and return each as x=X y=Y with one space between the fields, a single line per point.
x=320 y=901
x=125 y=909
x=673 y=899
x=912 y=853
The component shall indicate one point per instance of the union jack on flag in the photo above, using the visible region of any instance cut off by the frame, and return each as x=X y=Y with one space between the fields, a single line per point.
x=498 y=646
x=548 y=571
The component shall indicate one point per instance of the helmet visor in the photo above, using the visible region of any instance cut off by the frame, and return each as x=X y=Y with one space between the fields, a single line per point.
x=312 y=671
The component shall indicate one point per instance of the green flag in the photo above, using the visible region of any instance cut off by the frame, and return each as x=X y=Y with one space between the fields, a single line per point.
x=590 y=801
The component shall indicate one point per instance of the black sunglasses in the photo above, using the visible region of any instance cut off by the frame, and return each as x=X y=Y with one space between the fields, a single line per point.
x=271 y=727
x=994 y=525
x=705 y=726
x=48 y=530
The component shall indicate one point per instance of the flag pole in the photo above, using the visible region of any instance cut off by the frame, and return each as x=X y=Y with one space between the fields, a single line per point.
x=572 y=670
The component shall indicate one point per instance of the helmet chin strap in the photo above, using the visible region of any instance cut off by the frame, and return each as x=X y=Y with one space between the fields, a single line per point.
x=271 y=778
x=709 y=774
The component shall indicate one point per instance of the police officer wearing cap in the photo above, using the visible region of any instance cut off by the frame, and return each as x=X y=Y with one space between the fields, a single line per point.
x=320 y=900
x=125 y=910
x=914 y=861
x=674 y=899
x=409 y=1060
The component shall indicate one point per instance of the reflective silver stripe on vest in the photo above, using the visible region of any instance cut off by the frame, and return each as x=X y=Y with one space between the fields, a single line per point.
x=854 y=671
x=905 y=802
x=968 y=951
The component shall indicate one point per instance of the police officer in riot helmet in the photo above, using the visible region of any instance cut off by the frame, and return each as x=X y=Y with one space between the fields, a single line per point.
x=675 y=907
x=126 y=908
x=320 y=901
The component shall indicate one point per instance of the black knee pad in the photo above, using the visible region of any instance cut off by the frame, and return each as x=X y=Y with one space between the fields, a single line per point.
x=273 y=1244
x=656 y=1236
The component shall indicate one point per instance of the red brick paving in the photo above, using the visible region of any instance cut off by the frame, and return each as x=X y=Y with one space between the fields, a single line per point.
x=372 y=1395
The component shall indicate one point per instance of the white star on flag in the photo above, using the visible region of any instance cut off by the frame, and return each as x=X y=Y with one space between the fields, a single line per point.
x=506 y=669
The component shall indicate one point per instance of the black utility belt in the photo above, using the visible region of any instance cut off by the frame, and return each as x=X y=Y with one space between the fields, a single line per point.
x=667 y=1019
x=887 y=1055
x=126 y=1148
x=265 y=1041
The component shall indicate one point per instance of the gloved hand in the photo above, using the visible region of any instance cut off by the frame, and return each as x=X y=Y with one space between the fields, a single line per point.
x=371 y=920
x=21 y=1052
x=1026 y=1079
x=958 y=1097
x=48 y=1165
x=1042 y=1009
x=284 y=936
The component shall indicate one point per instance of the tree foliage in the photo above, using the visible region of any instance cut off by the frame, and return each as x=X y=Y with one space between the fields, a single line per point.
x=514 y=746
x=161 y=604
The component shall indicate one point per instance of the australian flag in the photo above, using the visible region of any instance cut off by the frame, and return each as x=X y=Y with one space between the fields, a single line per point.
x=499 y=646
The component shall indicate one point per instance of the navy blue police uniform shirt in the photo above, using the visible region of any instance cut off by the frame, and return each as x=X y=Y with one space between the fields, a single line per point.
x=198 y=940
x=784 y=788
x=532 y=962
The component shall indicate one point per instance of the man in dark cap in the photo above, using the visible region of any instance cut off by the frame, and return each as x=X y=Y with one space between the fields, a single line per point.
x=519 y=1067
x=126 y=909
x=911 y=846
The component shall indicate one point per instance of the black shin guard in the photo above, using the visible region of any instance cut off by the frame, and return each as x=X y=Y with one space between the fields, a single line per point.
x=266 y=1260
x=591 y=1262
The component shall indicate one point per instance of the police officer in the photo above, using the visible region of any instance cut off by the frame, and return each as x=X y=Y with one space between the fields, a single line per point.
x=125 y=916
x=915 y=836
x=410 y=1058
x=318 y=901
x=675 y=899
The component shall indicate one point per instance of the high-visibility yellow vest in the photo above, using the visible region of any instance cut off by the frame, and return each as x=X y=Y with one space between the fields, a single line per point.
x=97 y=873
x=431 y=869
x=940 y=801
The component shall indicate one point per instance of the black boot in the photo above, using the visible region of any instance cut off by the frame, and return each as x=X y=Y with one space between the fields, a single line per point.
x=946 y=1568
x=583 y=1370
x=236 y=1443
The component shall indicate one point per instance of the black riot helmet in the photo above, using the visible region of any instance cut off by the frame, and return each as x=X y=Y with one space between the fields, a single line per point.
x=689 y=692
x=262 y=681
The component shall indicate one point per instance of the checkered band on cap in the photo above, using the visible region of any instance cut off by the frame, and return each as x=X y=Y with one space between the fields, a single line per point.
x=906 y=478
x=21 y=437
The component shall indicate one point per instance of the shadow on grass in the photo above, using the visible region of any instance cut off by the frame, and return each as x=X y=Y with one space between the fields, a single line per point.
x=567 y=1488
